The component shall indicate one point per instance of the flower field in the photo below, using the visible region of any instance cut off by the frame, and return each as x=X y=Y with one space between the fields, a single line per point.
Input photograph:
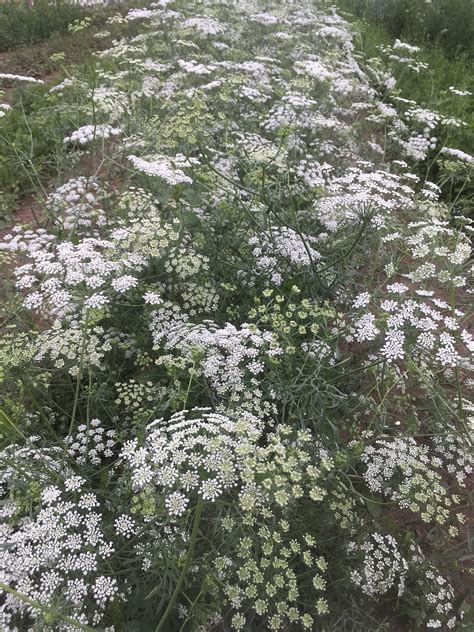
x=236 y=353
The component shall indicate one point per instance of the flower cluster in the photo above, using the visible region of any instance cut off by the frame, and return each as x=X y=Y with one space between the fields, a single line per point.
x=455 y=456
x=12 y=77
x=250 y=591
x=162 y=167
x=383 y=566
x=91 y=443
x=62 y=276
x=59 y=553
x=416 y=324
x=193 y=453
x=405 y=472
x=77 y=204
x=228 y=356
x=282 y=244
x=136 y=397
x=89 y=133
x=259 y=572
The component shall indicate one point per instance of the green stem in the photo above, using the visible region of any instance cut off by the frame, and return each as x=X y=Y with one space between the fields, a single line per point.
x=191 y=376
x=45 y=609
x=456 y=371
x=187 y=562
x=188 y=618
x=78 y=385
x=12 y=424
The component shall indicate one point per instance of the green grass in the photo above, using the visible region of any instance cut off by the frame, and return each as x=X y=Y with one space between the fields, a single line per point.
x=430 y=88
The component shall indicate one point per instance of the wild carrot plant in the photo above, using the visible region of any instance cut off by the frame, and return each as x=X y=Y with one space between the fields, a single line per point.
x=236 y=355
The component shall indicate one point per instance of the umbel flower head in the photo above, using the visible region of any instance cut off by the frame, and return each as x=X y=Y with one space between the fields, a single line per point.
x=58 y=553
x=195 y=452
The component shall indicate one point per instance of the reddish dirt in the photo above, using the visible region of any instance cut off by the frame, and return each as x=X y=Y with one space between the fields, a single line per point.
x=12 y=64
x=24 y=214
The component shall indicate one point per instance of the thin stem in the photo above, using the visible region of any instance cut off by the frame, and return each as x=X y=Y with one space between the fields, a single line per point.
x=39 y=606
x=187 y=562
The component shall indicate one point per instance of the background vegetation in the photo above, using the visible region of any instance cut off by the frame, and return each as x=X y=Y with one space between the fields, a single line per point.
x=24 y=24
x=444 y=31
x=448 y=24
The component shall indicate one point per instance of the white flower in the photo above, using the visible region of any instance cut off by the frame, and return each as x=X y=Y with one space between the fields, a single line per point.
x=393 y=347
x=397 y=288
x=459 y=93
x=6 y=75
x=125 y=526
x=124 y=283
x=104 y=589
x=362 y=300
x=211 y=489
x=88 y=133
x=457 y=154
x=365 y=328
x=50 y=495
x=176 y=503
x=161 y=167
x=152 y=298
x=74 y=483
x=96 y=301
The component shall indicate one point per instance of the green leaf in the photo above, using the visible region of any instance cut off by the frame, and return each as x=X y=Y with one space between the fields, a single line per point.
x=373 y=507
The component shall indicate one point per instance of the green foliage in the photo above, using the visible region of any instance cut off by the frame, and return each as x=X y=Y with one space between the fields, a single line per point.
x=30 y=137
x=448 y=66
x=22 y=23
x=246 y=377
x=448 y=24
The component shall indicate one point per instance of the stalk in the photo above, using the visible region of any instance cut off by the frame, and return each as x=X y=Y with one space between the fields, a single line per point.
x=187 y=562
x=39 y=606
